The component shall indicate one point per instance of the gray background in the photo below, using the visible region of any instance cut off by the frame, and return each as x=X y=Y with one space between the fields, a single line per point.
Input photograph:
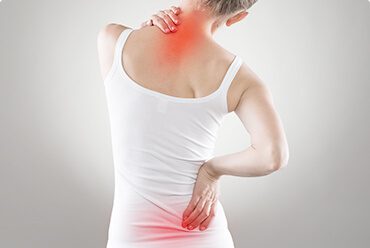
x=56 y=178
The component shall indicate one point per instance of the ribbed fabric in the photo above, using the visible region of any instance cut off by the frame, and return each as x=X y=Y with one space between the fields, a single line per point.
x=159 y=143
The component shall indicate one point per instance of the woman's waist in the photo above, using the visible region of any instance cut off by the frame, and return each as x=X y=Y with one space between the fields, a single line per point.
x=136 y=211
x=136 y=189
x=141 y=213
x=158 y=179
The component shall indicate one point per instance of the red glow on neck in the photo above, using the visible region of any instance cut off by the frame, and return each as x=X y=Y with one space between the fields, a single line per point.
x=184 y=42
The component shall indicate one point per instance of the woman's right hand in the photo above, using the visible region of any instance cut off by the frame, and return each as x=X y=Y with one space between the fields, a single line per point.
x=166 y=20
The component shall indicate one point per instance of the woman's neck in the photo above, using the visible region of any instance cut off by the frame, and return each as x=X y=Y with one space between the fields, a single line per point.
x=193 y=35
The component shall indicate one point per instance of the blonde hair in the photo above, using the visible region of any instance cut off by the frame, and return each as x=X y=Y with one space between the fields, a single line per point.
x=227 y=7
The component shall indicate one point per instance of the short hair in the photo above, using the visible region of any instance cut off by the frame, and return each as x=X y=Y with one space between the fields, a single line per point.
x=227 y=7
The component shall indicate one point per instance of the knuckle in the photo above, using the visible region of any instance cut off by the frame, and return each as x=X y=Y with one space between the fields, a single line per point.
x=167 y=18
x=197 y=210
x=171 y=16
x=170 y=13
x=204 y=215
x=191 y=215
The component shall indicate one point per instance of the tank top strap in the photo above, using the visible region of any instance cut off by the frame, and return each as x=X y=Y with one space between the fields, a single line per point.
x=117 y=56
x=120 y=44
x=228 y=78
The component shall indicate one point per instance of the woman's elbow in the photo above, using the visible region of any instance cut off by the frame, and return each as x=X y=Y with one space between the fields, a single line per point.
x=279 y=157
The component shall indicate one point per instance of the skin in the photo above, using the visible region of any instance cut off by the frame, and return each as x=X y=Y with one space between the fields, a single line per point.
x=248 y=97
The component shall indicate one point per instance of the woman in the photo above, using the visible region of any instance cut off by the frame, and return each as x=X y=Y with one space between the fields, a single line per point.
x=167 y=92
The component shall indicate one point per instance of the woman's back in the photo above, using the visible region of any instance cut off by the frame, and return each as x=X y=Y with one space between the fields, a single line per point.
x=161 y=137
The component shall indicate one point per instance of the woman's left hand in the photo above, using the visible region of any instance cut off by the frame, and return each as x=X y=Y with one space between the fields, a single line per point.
x=166 y=20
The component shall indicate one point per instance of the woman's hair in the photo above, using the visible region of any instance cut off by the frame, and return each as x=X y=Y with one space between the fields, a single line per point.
x=227 y=7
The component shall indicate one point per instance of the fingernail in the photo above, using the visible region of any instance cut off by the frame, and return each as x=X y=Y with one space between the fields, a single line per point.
x=173 y=28
x=166 y=30
x=202 y=228
x=190 y=227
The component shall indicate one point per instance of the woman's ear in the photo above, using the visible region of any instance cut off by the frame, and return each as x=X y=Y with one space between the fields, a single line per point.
x=236 y=18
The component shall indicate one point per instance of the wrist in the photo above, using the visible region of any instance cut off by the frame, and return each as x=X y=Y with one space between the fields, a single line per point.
x=211 y=171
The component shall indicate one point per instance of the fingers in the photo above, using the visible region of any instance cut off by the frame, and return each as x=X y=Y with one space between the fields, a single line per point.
x=200 y=212
x=173 y=16
x=167 y=19
x=202 y=216
x=176 y=10
x=204 y=225
x=159 y=22
x=190 y=208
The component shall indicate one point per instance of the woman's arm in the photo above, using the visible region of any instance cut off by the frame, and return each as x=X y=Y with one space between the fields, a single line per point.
x=267 y=153
x=269 y=148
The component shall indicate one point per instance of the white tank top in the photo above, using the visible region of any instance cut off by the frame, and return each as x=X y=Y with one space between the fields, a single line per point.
x=159 y=143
